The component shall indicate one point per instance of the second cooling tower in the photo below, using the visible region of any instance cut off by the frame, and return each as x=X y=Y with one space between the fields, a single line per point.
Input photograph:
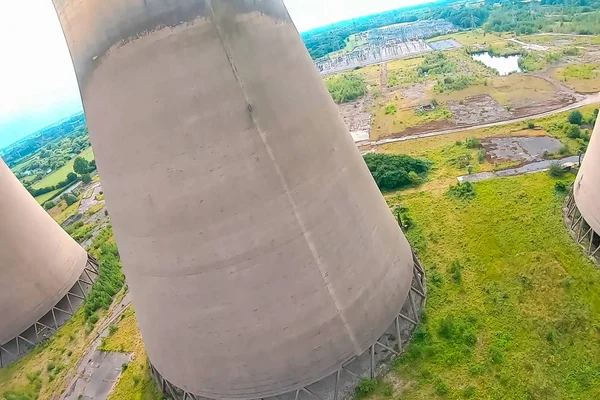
x=259 y=252
x=44 y=274
x=583 y=207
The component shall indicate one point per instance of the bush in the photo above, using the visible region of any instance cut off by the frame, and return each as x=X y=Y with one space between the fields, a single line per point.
x=69 y=198
x=441 y=388
x=390 y=109
x=472 y=143
x=572 y=131
x=481 y=156
x=462 y=191
x=391 y=171
x=563 y=150
x=48 y=205
x=576 y=118
x=86 y=178
x=556 y=169
x=346 y=87
x=456 y=271
x=560 y=187
x=530 y=124
x=110 y=279
x=366 y=386
x=414 y=178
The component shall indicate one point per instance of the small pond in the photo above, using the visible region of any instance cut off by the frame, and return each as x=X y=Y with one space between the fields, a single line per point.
x=503 y=64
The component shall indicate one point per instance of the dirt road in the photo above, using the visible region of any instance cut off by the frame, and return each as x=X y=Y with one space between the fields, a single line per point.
x=589 y=99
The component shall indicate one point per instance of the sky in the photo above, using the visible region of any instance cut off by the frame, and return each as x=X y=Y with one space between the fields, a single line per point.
x=37 y=83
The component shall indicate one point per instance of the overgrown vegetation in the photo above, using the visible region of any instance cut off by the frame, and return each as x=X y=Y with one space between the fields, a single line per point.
x=346 y=87
x=462 y=191
x=392 y=171
x=488 y=334
x=110 y=279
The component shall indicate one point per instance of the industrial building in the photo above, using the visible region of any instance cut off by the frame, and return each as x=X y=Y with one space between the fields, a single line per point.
x=45 y=275
x=261 y=257
x=583 y=207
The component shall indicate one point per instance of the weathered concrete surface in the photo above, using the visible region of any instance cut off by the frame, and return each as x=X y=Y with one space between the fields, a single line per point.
x=528 y=148
x=99 y=376
x=248 y=224
x=587 y=184
x=39 y=262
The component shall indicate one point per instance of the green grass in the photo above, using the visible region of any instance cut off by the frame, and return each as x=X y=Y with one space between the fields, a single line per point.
x=521 y=317
x=45 y=372
x=61 y=174
x=136 y=382
x=48 y=196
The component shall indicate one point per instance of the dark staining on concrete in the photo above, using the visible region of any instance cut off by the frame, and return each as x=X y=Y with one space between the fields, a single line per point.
x=129 y=23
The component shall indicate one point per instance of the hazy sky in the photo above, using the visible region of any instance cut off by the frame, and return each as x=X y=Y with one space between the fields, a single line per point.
x=37 y=82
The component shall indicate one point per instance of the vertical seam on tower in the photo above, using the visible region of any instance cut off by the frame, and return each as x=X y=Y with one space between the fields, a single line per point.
x=305 y=233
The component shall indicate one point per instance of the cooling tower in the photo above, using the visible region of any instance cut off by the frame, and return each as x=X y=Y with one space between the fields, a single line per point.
x=583 y=207
x=261 y=257
x=44 y=274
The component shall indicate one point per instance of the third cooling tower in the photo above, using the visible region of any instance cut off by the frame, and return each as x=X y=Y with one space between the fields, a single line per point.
x=583 y=207
x=44 y=274
x=261 y=257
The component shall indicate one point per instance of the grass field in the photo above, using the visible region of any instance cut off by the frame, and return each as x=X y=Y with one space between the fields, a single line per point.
x=61 y=174
x=136 y=382
x=474 y=37
x=48 y=196
x=521 y=319
x=583 y=78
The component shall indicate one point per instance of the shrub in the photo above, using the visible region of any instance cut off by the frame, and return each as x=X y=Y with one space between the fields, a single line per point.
x=391 y=171
x=86 y=178
x=472 y=143
x=530 y=124
x=572 y=131
x=575 y=117
x=390 y=109
x=563 y=150
x=481 y=156
x=112 y=329
x=456 y=271
x=469 y=169
x=346 y=87
x=124 y=367
x=560 y=187
x=556 y=169
x=48 y=205
x=69 y=198
x=462 y=191
x=366 y=386
x=414 y=178
x=441 y=388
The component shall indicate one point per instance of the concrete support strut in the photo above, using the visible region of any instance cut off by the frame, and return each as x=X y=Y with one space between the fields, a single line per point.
x=375 y=361
x=58 y=315
x=581 y=231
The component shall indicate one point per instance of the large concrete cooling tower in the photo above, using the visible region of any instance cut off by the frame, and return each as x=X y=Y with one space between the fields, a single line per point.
x=583 y=207
x=261 y=257
x=44 y=274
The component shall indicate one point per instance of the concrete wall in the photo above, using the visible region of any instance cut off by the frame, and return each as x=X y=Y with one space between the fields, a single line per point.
x=587 y=184
x=39 y=262
x=258 y=250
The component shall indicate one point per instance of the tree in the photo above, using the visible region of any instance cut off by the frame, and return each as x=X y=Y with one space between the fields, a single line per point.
x=86 y=178
x=71 y=177
x=576 y=118
x=48 y=205
x=81 y=166
x=69 y=198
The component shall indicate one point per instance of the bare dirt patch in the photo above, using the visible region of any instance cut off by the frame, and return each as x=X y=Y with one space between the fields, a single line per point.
x=478 y=109
x=520 y=148
x=357 y=114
